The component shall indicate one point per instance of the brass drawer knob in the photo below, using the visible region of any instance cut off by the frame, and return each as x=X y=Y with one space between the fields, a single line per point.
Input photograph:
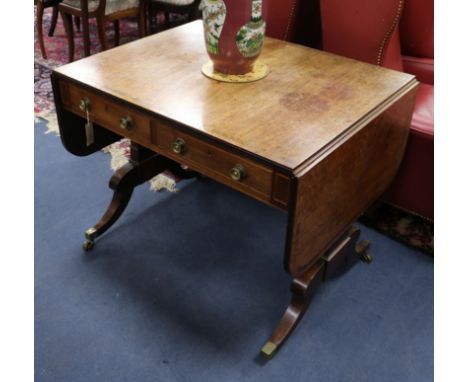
x=126 y=123
x=85 y=104
x=238 y=172
x=179 y=146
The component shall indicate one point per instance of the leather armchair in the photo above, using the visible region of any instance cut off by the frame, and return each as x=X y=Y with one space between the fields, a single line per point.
x=293 y=20
x=413 y=188
x=399 y=35
x=281 y=18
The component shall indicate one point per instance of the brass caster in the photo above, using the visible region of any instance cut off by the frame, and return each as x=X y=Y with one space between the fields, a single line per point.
x=90 y=233
x=362 y=246
x=269 y=350
x=366 y=257
x=362 y=249
x=88 y=245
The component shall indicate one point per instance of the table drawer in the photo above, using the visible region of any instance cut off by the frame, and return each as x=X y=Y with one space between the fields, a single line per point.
x=211 y=160
x=233 y=169
x=112 y=115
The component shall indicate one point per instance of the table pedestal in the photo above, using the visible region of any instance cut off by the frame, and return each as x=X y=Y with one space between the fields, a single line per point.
x=144 y=164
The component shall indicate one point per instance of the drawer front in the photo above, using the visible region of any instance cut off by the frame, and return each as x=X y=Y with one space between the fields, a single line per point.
x=224 y=166
x=112 y=115
x=234 y=170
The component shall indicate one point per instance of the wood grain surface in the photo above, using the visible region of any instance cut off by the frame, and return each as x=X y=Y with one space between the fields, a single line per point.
x=338 y=186
x=309 y=99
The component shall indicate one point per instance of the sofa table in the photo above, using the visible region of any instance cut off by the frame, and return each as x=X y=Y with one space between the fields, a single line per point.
x=321 y=138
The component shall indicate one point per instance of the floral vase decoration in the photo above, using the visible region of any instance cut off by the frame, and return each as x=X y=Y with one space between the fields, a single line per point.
x=234 y=33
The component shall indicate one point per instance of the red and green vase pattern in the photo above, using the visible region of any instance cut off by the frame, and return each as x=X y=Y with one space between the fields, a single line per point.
x=214 y=14
x=234 y=34
x=251 y=36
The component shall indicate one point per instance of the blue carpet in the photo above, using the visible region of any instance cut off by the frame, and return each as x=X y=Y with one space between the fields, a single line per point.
x=188 y=287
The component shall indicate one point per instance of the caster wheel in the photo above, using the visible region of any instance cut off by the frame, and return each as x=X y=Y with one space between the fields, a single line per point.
x=90 y=234
x=88 y=245
x=366 y=257
x=269 y=350
x=362 y=250
x=363 y=246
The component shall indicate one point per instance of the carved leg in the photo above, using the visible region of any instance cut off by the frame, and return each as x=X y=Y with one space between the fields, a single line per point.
x=153 y=15
x=67 y=23
x=302 y=289
x=143 y=166
x=77 y=23
x=101 y=25
x=116 y=32
x=54 y=20
x=142 y=20
x=122 y=182
x=86 y=41
x=40 y=37
x=338 y=259
x=193 y=14
x=167 y=20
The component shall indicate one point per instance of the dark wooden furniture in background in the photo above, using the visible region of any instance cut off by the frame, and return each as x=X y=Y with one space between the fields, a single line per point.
x=156 y=6
x=320 y=138
x=103 y=14
x=41 y=5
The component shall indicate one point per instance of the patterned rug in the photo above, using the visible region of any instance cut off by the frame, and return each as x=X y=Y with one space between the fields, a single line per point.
x=405 y=227
x=57 y=54
x=402 y=226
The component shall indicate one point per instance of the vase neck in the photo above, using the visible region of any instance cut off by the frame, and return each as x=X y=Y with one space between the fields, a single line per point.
x=256 y=10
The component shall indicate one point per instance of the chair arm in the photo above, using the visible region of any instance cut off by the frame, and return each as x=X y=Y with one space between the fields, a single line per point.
x=422 y=68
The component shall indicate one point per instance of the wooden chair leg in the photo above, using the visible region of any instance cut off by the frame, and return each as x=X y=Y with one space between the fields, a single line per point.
x=87 y=44
x=167 y=20
x=153 y=18
x=67 y=23
x=39 y=15
x=142 y=22
x=193 y=14
x=53 y=22
x=116 y=32
x=101 y=25
x=77 y=23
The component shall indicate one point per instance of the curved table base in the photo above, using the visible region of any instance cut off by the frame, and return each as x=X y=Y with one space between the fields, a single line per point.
x=337 y=260
x=144 y=165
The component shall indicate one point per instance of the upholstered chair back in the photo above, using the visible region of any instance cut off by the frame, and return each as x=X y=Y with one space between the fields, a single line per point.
x=366 y=30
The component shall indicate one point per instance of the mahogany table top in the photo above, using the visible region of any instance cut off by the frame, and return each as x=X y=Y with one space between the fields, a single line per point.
x=307 y=103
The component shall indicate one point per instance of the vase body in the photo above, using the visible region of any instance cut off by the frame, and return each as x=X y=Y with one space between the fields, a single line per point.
x=234 y=33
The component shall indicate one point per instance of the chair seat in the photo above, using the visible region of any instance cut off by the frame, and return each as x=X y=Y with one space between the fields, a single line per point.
x=421 y=67
x=112 y=6
x=413 y=187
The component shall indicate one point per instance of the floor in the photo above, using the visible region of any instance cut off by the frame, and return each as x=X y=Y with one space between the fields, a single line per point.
x=188 y=287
